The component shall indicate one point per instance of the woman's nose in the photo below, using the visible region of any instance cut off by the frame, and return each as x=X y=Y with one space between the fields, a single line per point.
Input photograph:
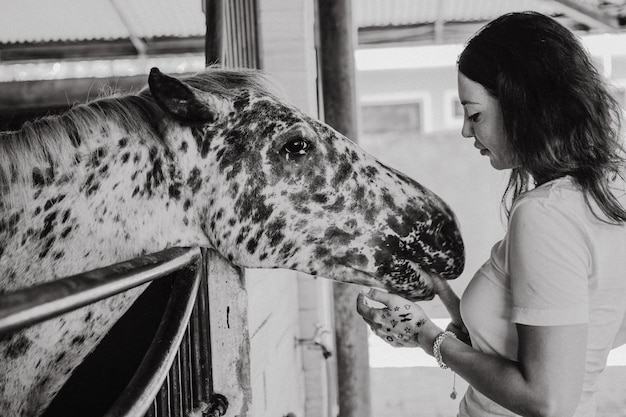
x=466 y=130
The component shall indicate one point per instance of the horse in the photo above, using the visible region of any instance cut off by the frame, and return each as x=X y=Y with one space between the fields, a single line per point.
x=216 y=160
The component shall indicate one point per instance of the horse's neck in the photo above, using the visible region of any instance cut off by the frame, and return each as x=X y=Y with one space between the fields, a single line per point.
x=114 y=204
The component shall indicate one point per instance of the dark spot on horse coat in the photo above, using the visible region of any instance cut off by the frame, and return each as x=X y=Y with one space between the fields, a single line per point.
x=370 y=172
x=122 y=142
x=125 y=157
x=96 y=156
x=318 y=182
x=43 y=177
x=343 y=173
x=38 y=179
x=274 y=231
x=352 y=258
x=66 y=215
x=337 y=236
x=91 y=184
x=9 y=226
x=320 y=198
x=155 y=176
x=194 y=181
x=78 y=340
x=251 y=205
x=174 y=191
x=198 y=134
x=252 y=245
x=235 y=150
x=17 y=347
x=241 y=102
x=66 y=232
x=43 y=382
x=47 y=247
x=338 y=205
x=48 y=224
x=51 y=202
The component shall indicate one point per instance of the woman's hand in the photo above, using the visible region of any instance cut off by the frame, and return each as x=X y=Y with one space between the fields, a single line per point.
x=452 y=303
x=401 y=323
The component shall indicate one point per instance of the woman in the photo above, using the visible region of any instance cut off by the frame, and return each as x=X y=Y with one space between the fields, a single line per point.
x=546 y=308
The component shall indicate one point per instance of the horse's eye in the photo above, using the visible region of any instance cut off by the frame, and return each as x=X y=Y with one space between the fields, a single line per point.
x=296 y=148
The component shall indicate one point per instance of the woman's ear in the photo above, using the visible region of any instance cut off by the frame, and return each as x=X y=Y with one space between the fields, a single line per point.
x=182 y=101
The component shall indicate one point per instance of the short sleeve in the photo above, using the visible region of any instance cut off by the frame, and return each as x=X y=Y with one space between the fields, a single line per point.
x=549 y=262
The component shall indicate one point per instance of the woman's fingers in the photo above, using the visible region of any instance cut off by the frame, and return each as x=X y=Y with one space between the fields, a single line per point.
x=380 y=296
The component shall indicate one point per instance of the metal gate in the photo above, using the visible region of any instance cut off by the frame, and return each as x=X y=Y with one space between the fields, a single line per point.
x=174 y=376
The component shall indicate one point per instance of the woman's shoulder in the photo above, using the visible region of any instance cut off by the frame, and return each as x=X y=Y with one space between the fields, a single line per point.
x=559 y=194
x=564 y=197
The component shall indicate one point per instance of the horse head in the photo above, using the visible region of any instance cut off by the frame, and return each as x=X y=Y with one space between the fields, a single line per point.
x=283 y=190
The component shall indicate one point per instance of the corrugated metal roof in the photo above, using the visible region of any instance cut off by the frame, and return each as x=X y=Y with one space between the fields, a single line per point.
x=77 y=20
x=376 y=13
x=35 y=21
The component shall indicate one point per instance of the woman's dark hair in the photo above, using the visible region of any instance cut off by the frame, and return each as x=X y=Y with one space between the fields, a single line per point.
x=559 y=117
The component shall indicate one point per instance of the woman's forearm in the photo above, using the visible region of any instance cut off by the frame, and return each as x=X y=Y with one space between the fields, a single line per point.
x=503 y=381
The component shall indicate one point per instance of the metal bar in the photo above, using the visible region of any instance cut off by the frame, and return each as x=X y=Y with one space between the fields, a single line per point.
x=205 y=334
x=195 y=353
x=152 y=411
x=32 y=305
x=138 y=44
x=175 y=387
x=185 y=373
x=162 y=400
x=236 y=33
x=337 y=40
x=231 y=46
x=214 y=45
x=253 y=36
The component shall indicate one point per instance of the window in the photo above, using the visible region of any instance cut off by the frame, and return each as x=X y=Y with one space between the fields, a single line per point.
x=385 y=118
x=394 y=116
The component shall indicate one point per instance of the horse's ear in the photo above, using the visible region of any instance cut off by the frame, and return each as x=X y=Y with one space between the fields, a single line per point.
x=181 y=100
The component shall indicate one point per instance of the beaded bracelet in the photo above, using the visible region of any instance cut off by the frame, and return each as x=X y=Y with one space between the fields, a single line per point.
x=437 y=347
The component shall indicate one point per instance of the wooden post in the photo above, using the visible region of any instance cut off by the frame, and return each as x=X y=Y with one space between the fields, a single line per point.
x=340 y=111
x=230 y=340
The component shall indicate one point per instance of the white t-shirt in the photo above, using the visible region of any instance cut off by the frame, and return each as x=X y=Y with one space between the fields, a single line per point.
x=568 y=268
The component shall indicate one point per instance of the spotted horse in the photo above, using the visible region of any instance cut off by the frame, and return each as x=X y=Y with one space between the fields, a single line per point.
x=213 y=160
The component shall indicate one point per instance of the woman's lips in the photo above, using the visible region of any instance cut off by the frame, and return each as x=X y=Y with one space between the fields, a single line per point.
x=482 y=149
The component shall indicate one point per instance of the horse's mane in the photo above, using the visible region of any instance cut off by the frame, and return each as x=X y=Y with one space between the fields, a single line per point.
x=51 y=141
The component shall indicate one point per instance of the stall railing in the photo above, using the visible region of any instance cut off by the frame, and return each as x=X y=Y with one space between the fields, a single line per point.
x=174 y=377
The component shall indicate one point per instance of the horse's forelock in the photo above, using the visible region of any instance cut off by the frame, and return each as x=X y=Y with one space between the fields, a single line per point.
x=229 y=82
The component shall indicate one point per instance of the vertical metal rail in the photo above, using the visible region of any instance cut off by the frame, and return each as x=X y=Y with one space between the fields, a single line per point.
x=214 y=41
x=337 y=40
x=232 y=33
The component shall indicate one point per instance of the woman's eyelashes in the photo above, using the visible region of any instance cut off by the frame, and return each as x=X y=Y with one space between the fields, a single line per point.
x=474 y=117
